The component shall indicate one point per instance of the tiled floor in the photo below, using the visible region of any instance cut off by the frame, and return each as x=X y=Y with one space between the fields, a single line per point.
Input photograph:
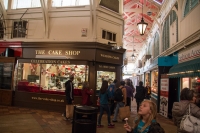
x=25 y=120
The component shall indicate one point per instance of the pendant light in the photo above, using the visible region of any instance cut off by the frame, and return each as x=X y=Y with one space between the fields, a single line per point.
x=142 y=25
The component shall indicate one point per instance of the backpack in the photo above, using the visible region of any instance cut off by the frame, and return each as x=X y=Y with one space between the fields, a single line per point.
x=118 y=95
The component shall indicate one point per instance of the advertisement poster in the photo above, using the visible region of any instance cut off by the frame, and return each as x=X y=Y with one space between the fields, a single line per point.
x=164 y=89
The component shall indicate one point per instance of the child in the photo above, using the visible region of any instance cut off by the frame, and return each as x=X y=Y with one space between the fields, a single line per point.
x=104 y=106
x=146 y=122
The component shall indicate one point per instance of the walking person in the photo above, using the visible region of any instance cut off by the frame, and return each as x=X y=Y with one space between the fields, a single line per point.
x=104 y=106
x=69 y=90
x=86 y=92
x=146 y=120
x=120 y=98
x=181 y=108
x=111 y=90
x=129 y=94
x=140 y=94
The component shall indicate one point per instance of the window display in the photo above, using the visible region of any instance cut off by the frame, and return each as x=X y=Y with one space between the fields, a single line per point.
x=154 y=82
x=49 y=78
x=104 y=75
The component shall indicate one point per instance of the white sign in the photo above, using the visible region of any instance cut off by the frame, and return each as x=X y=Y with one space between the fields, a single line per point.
x=84 y=32
x=189 y=54
x=164 y=90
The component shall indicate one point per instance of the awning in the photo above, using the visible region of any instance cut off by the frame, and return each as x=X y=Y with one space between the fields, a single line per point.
x=185 y=69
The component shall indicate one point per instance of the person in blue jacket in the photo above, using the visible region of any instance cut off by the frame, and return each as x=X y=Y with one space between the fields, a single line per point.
x=104 y=106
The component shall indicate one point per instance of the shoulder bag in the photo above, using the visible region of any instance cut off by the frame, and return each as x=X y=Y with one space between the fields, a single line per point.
x=190 y=123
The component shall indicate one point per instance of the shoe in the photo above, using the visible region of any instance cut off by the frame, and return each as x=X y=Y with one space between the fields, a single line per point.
x=114 y=120
x=100 y=126
x=111 y=125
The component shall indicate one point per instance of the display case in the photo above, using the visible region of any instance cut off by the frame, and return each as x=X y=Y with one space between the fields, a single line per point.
x=104 y=75
x=50 y=78
x=154 y=85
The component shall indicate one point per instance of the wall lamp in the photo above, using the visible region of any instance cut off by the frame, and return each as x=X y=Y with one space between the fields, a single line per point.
x=114 y=46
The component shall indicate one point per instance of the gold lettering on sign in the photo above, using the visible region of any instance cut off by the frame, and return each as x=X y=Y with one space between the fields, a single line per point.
x=48 y=99
x=55 y=52
x=110 y=57
x=72 y=52
x=51 y=61
x=40 y=52
x=107 y=67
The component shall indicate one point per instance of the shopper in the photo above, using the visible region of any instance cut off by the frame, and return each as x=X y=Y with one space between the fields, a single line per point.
x=111 y=90
x=104 y=106
x=120 y=99
x=146 y=120
x=148 y=91
x=140 y=94
x=129 y=94
x=86 y=92
x=180 y=109
x=69 y=90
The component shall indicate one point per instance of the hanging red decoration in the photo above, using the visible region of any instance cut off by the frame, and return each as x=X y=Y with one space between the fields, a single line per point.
x=69 y=68
x=76 y=66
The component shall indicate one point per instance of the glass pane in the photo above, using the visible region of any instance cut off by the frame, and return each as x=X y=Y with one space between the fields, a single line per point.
x=6 y=75
x=56 y=3
x=104 y=75
x=26 y=4
x=185 y=82
x=28 y=77
x=194 y=3
x=84 y=2
x=195 y=85
x=69 y=3
x=5 y=4
x=187 y=7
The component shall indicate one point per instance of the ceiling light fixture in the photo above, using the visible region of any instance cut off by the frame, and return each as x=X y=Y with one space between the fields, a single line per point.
x=142 y=25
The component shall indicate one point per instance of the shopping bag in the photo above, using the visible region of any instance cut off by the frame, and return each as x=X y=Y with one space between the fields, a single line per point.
x=124 y=112
x=69 y=111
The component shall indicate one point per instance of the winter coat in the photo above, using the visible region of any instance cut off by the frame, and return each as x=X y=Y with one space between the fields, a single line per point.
x=140 y=93
x=86 y=96
x=69 y=91
x=180 y=109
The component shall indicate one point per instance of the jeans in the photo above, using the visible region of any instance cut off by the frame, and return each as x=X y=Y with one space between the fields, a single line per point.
x=104 y=107
x=118 y=105
x=112 y=106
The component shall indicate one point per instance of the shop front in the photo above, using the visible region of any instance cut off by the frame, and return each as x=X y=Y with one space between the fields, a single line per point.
x=43 y=71
x=188 y=68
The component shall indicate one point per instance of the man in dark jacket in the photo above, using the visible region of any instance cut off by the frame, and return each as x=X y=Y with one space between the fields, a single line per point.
x=140 y=94
x=69 y=90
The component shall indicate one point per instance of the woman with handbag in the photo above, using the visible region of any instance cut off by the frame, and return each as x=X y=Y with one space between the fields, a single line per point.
x=182 y=108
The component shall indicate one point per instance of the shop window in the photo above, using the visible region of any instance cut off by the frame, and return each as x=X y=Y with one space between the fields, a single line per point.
x=104 y=75
x=19 y=29
x=108 y=35
x=26 y=4
x=154 y=85
x=61 y=3
x=50 y=78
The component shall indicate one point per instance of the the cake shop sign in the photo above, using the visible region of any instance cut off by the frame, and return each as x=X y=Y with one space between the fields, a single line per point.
x=189 y=54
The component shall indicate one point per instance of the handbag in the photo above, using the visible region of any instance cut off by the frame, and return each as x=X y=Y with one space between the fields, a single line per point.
x=190 y=123
x=124 y=112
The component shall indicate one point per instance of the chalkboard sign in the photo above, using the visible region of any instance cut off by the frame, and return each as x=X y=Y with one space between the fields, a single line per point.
x=110 y=4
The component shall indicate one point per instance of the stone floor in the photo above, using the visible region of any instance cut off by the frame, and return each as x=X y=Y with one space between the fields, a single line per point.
x=25 y=120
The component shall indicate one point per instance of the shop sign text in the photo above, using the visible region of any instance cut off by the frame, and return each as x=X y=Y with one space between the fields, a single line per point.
x=110 y=56
x=51 y=61
x=47 y=99
x=57 y=52
x=106 y=67
x=190 y=54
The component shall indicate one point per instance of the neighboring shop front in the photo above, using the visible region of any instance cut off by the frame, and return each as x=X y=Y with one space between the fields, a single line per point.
x=8 y=52
x=188 y=68
x=43 y=71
